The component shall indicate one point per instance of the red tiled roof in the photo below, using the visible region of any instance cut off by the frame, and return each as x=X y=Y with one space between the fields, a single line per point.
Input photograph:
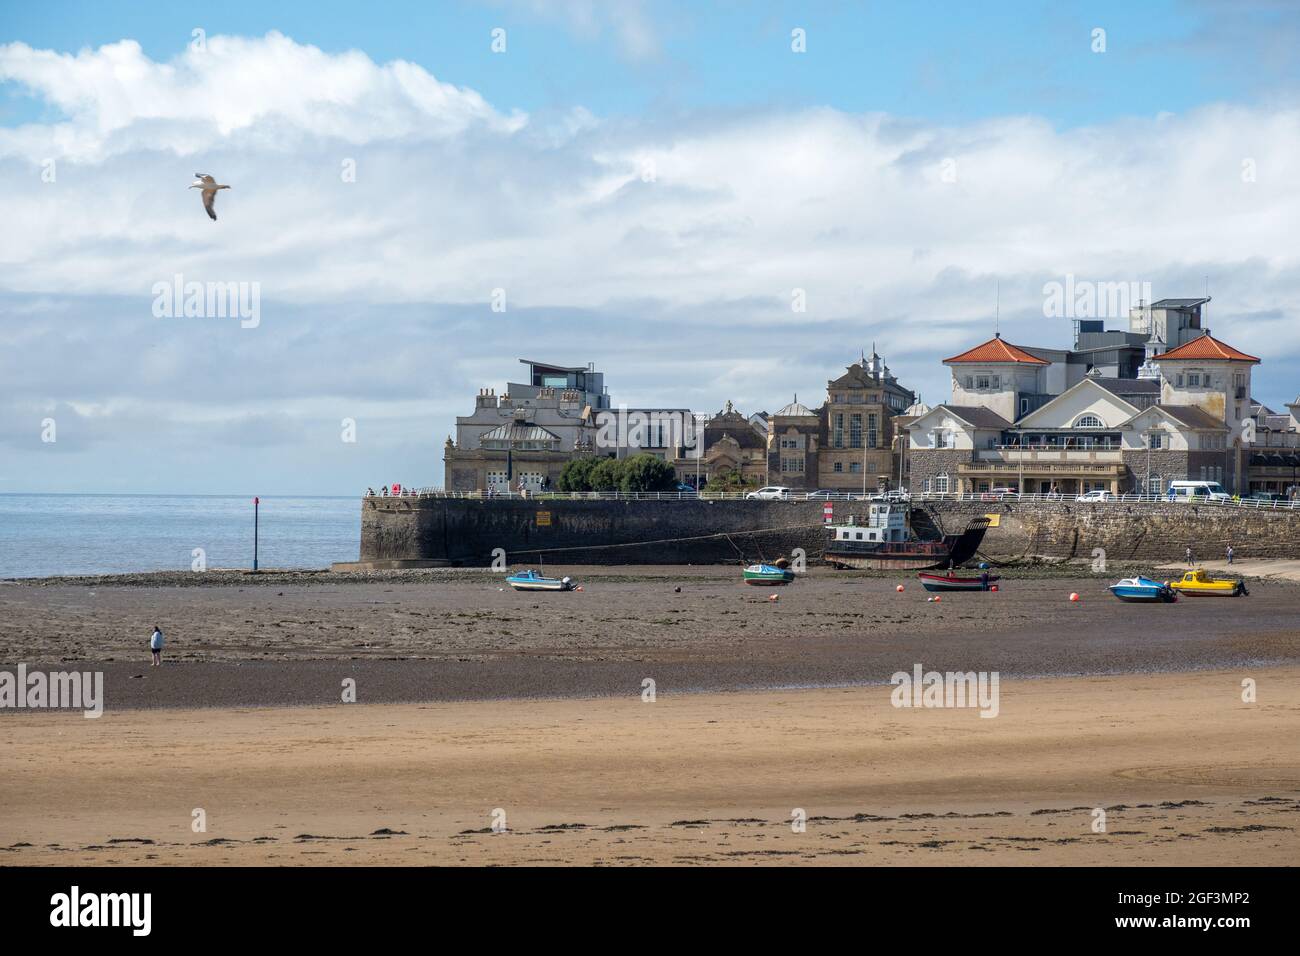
x=996 y=350
x=1206 y=347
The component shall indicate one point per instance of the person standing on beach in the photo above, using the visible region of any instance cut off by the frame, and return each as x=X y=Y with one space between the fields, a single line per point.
x=1189 y=555
x=1230 y=554
x=156 y=645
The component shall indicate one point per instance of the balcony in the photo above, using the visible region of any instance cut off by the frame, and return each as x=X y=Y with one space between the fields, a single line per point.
x=1017 y=455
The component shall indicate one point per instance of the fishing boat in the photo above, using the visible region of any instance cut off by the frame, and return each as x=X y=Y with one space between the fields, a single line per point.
x=532 y=580
x=1140 y=590
x=955 y=582
x=764 y=574
x=1199 y=583
x=889 y=537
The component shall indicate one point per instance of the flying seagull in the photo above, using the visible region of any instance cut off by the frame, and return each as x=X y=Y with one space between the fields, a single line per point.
x=209 y=187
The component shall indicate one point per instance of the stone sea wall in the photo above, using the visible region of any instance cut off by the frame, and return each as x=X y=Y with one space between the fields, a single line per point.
x=397 y=532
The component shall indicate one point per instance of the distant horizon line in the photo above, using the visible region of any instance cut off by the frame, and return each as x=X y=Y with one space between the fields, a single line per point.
x=153 y=494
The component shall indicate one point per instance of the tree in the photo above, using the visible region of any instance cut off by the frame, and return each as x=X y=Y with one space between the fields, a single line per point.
x=576 y=475
x=605 y=475
x=647 y=473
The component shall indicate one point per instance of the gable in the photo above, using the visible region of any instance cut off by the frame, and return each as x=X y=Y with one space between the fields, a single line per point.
x=1087 y=397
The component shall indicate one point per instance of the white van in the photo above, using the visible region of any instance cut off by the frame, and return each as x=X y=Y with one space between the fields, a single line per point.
x=1196 y=490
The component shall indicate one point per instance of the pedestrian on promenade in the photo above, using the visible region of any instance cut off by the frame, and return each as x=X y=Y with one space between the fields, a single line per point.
x=156 y=646
x=1189 y=555
x=1230 y=554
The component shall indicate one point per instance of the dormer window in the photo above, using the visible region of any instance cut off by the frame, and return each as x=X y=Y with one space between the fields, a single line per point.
x=1089 y=421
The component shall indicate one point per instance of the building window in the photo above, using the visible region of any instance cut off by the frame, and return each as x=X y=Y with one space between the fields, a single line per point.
x=925 y=486
x=1194 y=379
x=872 y=435
x=1155 y=440
x=941 y=484
x=970 y=382
x=995 y=381
x=855 y=431
x=855 y=467
x=1089 y=421
x=839 y=467
x=792 y=466
x=1178 y=380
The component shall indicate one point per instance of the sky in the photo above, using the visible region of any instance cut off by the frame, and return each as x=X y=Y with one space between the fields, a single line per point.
x=650 y=187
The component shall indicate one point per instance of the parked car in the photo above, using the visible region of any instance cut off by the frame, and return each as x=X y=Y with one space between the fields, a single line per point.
x=1096 y=495
x=770 y=493
x=684 y=489
x=1005 y=493
x=823 y=495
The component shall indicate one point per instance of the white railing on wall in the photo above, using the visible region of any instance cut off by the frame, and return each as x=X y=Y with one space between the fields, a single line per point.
x=894 y=497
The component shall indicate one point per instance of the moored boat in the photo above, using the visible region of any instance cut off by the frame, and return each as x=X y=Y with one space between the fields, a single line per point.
x=885 y=538
x=1198 y=583
x=532 y=580
x=1143 y=590
x=763 y=574
x=955 y=582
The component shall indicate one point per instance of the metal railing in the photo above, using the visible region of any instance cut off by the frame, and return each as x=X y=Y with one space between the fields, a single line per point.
x=878 y=497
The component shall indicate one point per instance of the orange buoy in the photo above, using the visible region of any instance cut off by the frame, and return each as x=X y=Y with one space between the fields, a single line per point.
x=1074 y=595
x=899 y=589
x=937 y=599
x=993 y=587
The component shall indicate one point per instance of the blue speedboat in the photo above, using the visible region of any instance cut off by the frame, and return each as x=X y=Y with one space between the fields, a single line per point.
x=531 y=580
x=1143 y=590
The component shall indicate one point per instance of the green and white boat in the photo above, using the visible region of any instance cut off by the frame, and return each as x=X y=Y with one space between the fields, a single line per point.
x=766 y=574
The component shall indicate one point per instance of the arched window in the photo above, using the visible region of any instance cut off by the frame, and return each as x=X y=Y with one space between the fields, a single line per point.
x=1089 y=421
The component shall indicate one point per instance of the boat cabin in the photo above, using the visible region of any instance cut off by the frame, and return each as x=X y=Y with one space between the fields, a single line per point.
x=884 y=523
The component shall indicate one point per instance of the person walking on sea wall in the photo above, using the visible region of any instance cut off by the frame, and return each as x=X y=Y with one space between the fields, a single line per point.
x=156 y=646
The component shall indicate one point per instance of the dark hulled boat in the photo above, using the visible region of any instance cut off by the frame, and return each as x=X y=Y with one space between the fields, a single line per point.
x=885 y=540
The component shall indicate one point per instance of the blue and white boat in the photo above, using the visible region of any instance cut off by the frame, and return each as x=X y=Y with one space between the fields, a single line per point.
x=1143 y=590
x=532 y=580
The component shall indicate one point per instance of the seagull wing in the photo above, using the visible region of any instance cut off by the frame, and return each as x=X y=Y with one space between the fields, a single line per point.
x=209 y=202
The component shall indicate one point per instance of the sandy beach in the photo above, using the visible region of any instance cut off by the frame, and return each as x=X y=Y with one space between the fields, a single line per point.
x=473 y=698
x=1185 y=771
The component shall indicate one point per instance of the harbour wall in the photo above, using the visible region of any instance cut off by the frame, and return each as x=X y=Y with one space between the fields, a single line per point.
x=434 y=531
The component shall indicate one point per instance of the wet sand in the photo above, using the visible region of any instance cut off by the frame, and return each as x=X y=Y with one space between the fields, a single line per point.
x=1185 y=771
x=235 y=640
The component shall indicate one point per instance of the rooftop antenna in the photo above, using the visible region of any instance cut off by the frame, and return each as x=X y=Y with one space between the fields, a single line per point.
x=997 y=311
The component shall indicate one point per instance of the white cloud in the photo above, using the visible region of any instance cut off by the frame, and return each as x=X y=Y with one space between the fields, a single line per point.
x=117 y=99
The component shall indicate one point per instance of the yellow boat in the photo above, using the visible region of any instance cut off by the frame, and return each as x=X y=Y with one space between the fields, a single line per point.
x=1198 y=582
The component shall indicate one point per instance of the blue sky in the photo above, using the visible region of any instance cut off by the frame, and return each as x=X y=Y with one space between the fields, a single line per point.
x=943 y=62
x=647 y=182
